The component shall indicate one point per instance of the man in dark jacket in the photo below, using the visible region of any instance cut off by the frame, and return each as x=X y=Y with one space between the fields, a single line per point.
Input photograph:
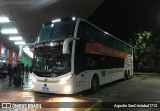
x=27 y=70
x=10 y=74
x=4 y=71
x=20 y=70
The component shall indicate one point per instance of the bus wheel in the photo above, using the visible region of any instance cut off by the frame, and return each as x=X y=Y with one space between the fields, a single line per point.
x=94 y=84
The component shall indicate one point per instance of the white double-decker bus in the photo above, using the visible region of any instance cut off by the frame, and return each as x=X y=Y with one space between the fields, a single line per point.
x=72 y=55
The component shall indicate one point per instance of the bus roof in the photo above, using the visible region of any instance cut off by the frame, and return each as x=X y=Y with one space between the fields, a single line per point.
x=80 y=19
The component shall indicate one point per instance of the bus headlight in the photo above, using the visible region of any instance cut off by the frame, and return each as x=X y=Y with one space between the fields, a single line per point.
x=67 y=89
x=62 y=81
x=65 y=79
x=32 y=86
x=34 y=79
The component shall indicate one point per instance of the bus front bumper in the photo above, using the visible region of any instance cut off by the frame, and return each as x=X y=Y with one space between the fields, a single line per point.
x=52 y=88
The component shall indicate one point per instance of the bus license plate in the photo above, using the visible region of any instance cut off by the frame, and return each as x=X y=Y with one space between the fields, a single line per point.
x=45 y=89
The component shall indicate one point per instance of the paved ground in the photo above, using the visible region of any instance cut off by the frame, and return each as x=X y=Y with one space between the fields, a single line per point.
x=138 y=89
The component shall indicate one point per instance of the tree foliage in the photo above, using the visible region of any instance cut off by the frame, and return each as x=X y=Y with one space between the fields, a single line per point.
x=143 y=50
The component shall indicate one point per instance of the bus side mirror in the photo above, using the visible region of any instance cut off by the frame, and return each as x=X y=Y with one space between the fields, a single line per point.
x=66 y=44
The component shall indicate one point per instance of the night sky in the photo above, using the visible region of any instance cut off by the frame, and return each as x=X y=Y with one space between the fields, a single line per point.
x=122 y=18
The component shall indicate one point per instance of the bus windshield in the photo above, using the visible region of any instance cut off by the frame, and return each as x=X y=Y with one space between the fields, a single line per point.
x=51 y=62
x=56 y=31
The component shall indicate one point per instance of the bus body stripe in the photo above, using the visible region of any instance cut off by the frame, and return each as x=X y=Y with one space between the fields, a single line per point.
x=95 y=48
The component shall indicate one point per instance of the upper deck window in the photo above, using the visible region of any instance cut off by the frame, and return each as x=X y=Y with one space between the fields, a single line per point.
x=56 y=31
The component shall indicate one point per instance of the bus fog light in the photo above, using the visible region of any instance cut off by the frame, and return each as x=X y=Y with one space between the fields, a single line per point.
x=67 y=89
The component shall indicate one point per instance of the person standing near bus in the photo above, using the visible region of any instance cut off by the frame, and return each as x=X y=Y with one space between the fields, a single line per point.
x=4 y=71
x=20 y=70
x=10 y=73
x=27 y=70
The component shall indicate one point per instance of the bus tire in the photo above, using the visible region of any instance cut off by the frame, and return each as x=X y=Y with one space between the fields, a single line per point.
x=94 y=84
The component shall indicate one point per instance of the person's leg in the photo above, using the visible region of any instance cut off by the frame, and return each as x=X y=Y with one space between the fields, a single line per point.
x=27 y=74
x=10 y=80
x=22 y=79
x=5 y=75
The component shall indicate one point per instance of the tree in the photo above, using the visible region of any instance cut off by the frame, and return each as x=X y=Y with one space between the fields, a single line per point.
x=143 y=50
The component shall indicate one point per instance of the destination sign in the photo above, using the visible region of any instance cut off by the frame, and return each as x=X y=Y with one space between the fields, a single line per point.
x=50 y=44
